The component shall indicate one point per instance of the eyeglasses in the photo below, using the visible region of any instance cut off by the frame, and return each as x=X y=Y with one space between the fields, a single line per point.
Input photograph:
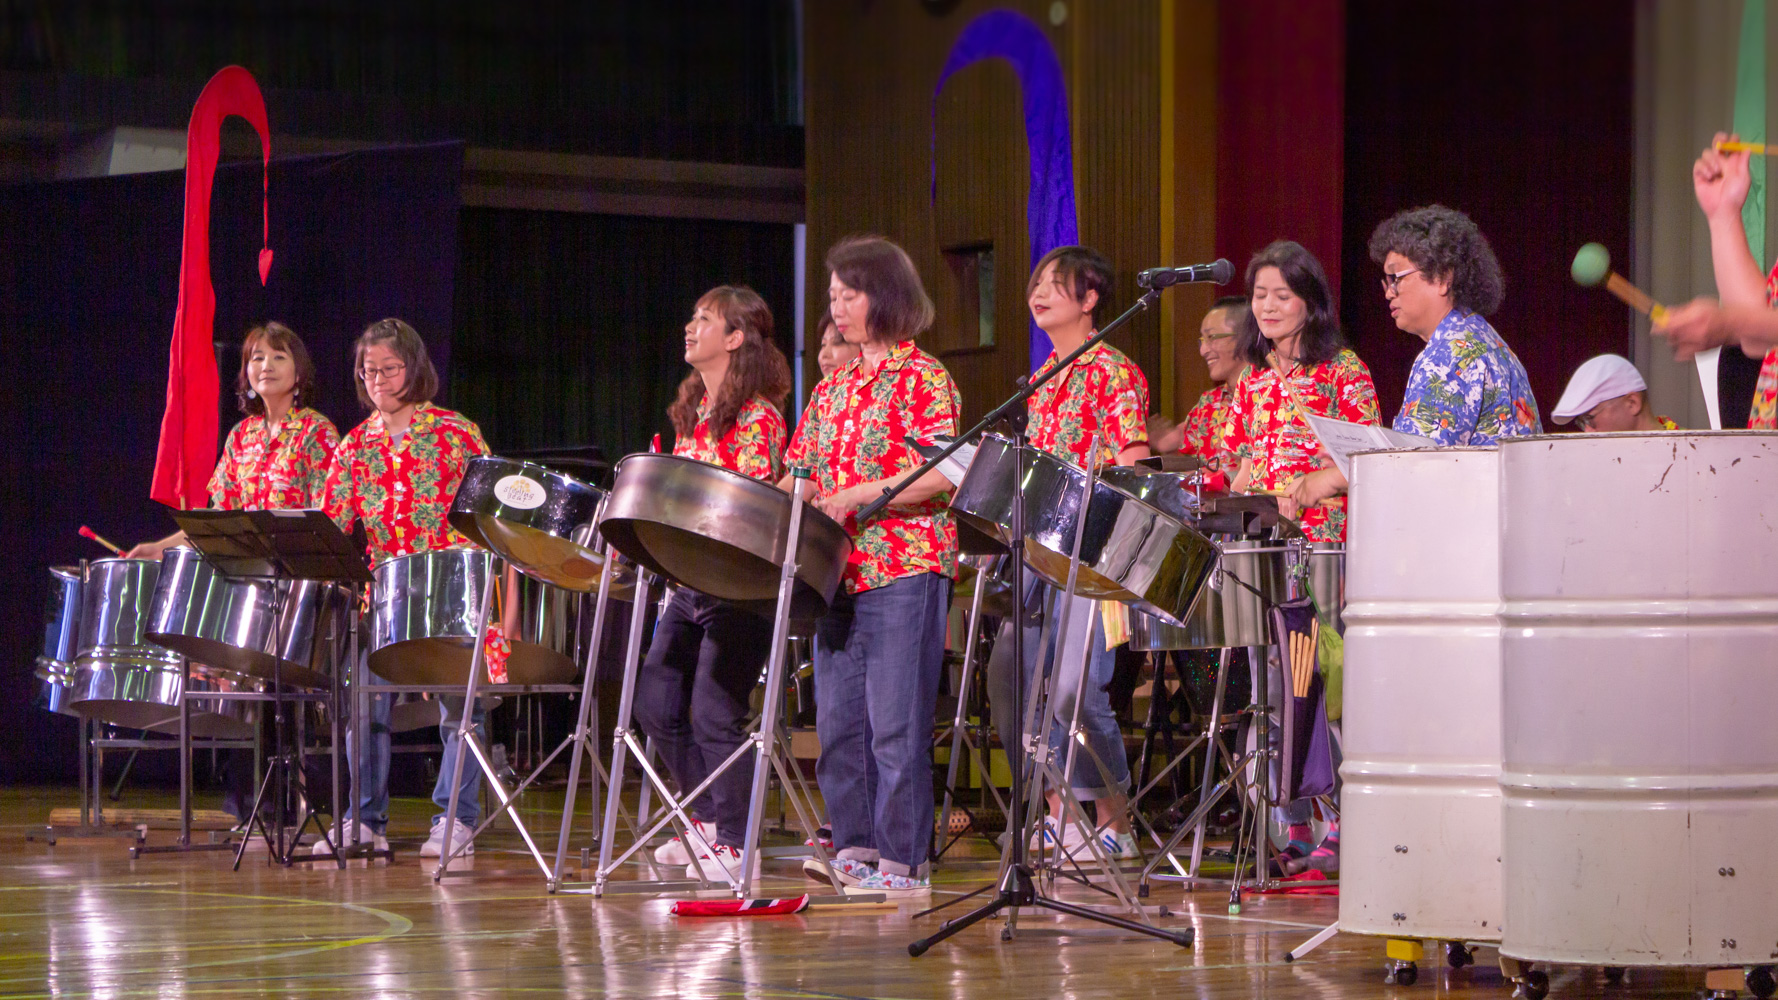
x=1212 y=339
x=387 y=373
x=1392 y=282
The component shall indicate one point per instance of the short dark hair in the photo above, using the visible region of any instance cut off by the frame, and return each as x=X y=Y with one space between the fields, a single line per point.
x=422 y=378
x=1237 y=306
x=1321 y=338
x=899 y=306
x=1081 y=270
x=1444 y=243
x=278 y=337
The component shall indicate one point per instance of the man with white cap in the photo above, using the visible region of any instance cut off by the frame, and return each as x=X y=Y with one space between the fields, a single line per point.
x=1607 y=394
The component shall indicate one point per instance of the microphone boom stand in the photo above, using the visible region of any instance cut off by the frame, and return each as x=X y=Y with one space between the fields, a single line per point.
x=1017 y=888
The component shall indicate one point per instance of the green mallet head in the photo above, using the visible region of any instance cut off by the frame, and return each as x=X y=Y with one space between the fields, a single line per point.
x=1592 y=264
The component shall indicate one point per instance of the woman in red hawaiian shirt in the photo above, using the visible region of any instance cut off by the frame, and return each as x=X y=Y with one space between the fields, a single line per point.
x=1300 y=365
x=276 y=458
x=692 y=694
x=879 y=650
x=1745 y=318
x=397 y=473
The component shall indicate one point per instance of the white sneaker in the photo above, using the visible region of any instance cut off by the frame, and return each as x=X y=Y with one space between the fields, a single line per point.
x=1045 y=837
x=1111 y=843
x=461 y=845
x=715 y=862
x=366 y=836
x=674 y=851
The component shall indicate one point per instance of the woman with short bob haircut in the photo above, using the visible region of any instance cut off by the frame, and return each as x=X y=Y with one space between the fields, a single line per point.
x=277 y=457
x=880 y=648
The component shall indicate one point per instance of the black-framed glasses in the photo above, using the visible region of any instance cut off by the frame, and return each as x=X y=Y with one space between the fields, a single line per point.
x=387 y=373
x=1392 y=282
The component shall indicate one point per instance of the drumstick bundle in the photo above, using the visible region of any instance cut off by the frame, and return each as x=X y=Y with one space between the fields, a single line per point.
x=1302 y=659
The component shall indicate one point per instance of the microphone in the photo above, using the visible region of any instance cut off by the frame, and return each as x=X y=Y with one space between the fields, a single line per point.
x=1221 y=273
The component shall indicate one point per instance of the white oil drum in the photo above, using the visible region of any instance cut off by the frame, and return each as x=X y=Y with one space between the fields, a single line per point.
x=1639 y=577
x=1420 y=809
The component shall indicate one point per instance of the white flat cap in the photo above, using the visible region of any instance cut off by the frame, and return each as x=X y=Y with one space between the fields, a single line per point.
x=1607 y=376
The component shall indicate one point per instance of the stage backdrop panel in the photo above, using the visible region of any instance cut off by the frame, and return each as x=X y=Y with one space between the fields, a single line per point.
x=88 y=284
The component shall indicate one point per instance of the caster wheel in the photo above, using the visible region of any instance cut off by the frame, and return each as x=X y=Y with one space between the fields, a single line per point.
x=1457 y=956
x=1761 y=982
x=1537 y=985
x=1402 y=974
x=1006 y=933
x=1167 y=913
x=135 y=853
x=1614 y=975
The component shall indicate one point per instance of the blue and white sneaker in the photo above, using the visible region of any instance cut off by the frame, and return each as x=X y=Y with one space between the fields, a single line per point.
x=892 y=886
x=1113 y=844
x=848 y=870
x=1047 y=836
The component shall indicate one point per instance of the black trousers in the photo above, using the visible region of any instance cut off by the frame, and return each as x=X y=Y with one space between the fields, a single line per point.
x=692 y=698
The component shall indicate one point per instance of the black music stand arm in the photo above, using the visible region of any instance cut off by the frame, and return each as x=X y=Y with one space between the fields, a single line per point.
x=1027 y=387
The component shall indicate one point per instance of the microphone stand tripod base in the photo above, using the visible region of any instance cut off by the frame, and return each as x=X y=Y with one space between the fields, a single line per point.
x=1017 y=889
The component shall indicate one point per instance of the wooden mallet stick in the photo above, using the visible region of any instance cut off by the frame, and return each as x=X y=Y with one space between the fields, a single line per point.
x=1592 y=268
x=1756 y=148
x=88 y=533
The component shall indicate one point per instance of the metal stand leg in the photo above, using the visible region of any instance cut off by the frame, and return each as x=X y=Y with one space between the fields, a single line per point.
x=585 y=739
x=960 y=720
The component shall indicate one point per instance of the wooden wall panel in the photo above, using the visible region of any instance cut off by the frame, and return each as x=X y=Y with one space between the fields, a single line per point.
x=870 y=73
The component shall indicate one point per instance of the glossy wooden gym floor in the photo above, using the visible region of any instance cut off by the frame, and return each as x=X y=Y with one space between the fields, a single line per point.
x=80 y=919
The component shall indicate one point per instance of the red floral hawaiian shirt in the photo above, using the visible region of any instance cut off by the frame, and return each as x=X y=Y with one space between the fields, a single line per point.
x=1266 y=426
x=1103 y=393
x=853 y=432
x=275 y=468
x=751 y=447
x=403 y=492
x=1206 y=429
x=1764 y=415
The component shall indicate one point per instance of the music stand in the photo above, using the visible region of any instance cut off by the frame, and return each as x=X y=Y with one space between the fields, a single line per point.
x=292 y=545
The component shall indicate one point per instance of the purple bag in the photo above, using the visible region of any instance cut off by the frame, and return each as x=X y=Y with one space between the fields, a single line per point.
x=1307 y=759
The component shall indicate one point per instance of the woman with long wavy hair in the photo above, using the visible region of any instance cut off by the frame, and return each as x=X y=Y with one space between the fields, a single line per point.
x=692 y=694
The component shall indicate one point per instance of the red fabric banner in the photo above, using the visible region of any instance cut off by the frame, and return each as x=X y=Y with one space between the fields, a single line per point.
x=187 y=452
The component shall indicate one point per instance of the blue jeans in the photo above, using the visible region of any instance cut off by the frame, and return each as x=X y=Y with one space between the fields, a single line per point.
x=878 y=656
x=373 y=781
x=1096 y=717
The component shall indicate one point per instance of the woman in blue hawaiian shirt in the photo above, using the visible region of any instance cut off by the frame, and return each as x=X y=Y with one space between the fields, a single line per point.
x=1441 y=278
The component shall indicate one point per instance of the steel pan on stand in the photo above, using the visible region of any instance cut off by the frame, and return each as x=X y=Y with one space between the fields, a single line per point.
x=1640 y=767
x=1420 y=809
x=1130 y=550
x=122 y=679
x=738 y=539
x=1250 y=576
x=539 y=520
x=261 y=628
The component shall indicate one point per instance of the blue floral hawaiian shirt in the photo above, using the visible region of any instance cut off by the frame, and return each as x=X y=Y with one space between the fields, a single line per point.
x=1467 y=387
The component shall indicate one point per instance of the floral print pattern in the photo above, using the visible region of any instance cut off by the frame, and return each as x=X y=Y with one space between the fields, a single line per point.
x=751 y=447
x=853 y=432
x=1267 y=427
x=1102 y=393
x=1206 y=429
x=1764 y=414
x=403 y=492
x=275 y=468
x=1467 y=387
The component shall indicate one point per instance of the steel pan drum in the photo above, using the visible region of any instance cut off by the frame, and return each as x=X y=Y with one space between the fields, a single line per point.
x=1228 y=615
x=61 y=625
x=1421 y=802
x=121 y=679
x=540 y=521
x=274 y=630
x=721 y=533
x=1327 y=579
x=1639 y=766
x=1130 y=551
x=422 y=621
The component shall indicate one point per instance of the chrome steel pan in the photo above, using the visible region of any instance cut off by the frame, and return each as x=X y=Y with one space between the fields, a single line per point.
x=121 y=679
x=423 y=615
x=722 y=533
x=1228 y=614
x=1130 y=551
x=540 y=521
x=279 y=630
x=61 y=625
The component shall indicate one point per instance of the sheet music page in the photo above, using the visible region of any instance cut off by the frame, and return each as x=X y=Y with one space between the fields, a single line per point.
x=956 y=464
x=1343 y=439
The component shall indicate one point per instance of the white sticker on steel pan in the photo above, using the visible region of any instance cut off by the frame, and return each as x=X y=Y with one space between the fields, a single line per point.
x=518 y=491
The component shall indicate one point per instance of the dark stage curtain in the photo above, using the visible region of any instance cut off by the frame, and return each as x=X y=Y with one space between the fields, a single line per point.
x=1518 y=113
x=88 y=284
x=571 y=326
